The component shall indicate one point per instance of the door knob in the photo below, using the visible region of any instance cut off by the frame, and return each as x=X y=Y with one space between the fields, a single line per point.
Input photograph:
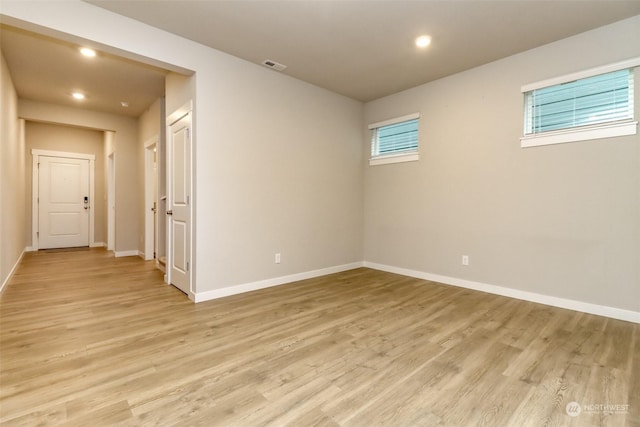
x=169 y=212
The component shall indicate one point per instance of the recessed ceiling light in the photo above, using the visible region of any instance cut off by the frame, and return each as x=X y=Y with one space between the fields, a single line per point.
x=423 y=41
x=88 y=52
x=125 y=104
x=78 y=95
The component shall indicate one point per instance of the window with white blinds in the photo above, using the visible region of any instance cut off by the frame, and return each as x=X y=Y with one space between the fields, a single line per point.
x=589 y=105
x=395 y=140
x=594 y=100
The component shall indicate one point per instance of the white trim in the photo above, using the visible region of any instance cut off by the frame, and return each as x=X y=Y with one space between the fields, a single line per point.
x=111 y=197
x=178 y=114
x=276 y=281
x=92 y=196
x=394 y=158
x=585 y=307
x=388 y=122
x=150 y=184
x=66 y=154
x=98 y=245
x=608 y=130
x=29 y=249
x=120 y=254
x=609 y=68
x=35 y=189
x=13 y=270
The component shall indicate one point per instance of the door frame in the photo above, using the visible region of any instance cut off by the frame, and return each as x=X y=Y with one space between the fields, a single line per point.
x=184 y=110
x=35 y=190
x=111 y=202
x=150 y=190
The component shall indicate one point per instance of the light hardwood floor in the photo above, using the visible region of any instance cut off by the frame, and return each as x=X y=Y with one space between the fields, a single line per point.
x=87 y=339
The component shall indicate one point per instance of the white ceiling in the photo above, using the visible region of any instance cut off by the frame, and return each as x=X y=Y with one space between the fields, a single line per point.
x=365 y=49
x=361 y=49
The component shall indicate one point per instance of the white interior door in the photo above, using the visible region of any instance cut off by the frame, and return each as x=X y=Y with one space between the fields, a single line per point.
x=178 y=209
x=63 y=205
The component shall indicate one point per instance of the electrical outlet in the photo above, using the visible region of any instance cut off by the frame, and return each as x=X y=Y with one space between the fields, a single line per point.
x=278 y=258
x=465 y=259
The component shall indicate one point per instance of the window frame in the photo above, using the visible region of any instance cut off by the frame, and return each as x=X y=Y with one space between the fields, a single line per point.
x=582 y=133
x=394 y=157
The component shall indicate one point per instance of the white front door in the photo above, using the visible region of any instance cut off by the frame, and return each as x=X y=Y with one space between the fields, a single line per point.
x=63 y=205
x=179 y=209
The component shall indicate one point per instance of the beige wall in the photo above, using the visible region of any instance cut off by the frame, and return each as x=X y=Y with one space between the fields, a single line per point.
x=560 y=220
x=45 y=136
x=125 y=146
x=12 y=205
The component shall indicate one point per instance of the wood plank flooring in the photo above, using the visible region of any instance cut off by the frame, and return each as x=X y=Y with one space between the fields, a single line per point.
x=87 y=340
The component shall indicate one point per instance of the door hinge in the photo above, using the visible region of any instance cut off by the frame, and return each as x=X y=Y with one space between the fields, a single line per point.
x=37 y=234
x=187 y=132
x=187 y=265
x=187 y=199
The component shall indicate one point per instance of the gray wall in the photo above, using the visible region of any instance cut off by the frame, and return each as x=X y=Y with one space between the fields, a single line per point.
x=281 y=174
x=560 y=220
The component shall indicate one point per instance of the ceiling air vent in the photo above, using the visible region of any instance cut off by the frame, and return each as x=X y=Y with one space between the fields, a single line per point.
x=274 y=65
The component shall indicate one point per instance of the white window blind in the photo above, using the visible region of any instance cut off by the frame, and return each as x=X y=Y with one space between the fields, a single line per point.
x=395 y=137
x=600 y=99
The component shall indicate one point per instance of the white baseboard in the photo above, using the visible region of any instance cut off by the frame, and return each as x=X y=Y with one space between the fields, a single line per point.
x=30 y=249
x=585 y=307
x=119 y=254
x=143 y=255
x=13 y=270
x=267 y=283
x=98 y=245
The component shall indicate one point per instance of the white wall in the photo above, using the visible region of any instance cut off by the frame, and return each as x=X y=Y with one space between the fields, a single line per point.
x=125 y=145
x=12 y=155
x=277 y=161
x=560 y=220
